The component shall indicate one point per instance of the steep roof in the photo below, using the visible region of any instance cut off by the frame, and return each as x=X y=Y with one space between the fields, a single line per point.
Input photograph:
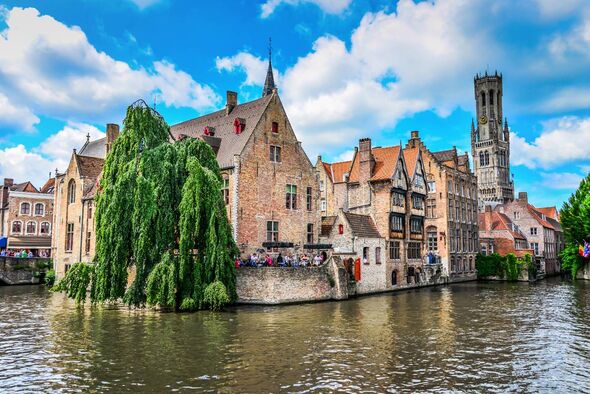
x=89 y=167
x=498 y=221
x=337 y=170
x=444 y=155
x=541 y=218
x=411 y=156
x=550 y=212
x=49 y=186
x=230 y=142
x=362 y=225
x=385 y=163
x=96 y=148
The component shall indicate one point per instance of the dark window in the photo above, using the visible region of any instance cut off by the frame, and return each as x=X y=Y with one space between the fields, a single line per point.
x=31 y=228
x=25 y=208
x=397 y=223
x=17 y=227
x=291 y=197
x=309 y=233
x=69 y=237
x=394 y=250
x=378 y=255
x=272 y=231
x=416 y=225
x=225 y=191
x=365 y=255
x=44 y=229
x=71 y=192
x=414 y=250
x=88 y=234
x=39 y=209
x=397 y=199
x=275 y=127
x=417 y=201
x=275 y=154
x=309 y=199
x=340 y=229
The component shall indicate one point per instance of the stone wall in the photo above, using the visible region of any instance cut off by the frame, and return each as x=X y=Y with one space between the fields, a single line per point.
x=584 y=272
x=19 y=271
x=284 y=285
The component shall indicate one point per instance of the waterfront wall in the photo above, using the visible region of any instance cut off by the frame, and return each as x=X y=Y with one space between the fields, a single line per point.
x=284 y=285
x=584 y=272
x=21 y=271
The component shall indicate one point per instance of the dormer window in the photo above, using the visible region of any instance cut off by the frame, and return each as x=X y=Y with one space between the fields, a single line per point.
x=239 y=125
x=275 y=127
x=210 y=131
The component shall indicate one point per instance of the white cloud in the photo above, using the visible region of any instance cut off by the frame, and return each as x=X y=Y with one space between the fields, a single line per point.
x=35 y=164
x=254 y=67
x=551 y=9
x=345 y=156
x=16 y=116
x=328 y=6
x=51 y=69
x=562 y=141
x=561 y=180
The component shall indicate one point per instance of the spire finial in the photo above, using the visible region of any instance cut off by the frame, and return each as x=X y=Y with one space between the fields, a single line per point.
x=88 y=137
x=269 y=83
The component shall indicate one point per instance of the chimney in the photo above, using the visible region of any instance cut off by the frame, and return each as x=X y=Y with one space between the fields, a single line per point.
x=488 y=217
x=231 y=101
x=112 y=134
x=523 y=197
x=415 y=134
x=8 y=182
x=366 y=160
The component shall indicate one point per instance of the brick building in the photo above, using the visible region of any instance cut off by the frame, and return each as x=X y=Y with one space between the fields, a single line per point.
x=26 y=217
x=270 y=186
x=451 y=230
x=74 y=234
x=543 y=232
x=499 y=234
x=333 y=179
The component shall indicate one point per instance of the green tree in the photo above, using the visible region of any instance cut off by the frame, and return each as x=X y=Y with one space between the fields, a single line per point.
x=159 y=212
x=575 y=220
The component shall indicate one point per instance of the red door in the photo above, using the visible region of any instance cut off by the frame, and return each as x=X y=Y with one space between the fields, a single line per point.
x=357 y=270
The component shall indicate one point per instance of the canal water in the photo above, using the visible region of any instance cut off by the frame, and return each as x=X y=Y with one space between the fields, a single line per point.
x=472 y=337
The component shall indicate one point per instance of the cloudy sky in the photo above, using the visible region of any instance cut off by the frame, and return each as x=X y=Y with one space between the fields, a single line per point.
x=345 y=69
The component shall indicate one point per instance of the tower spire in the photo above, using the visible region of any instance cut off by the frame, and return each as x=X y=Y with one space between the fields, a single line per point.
x=269 y=83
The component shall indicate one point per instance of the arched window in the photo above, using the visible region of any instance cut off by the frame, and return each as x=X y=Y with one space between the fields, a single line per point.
x=17 y=227
x=25 y=208
x=487 y=158
x=39 y=209
x=45 y=228
x=71 y=192
x=492 y=97
x=481 y=160
x=31 y=227
x=483 y=99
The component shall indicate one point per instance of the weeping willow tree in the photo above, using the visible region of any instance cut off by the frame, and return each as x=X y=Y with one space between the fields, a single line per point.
x=159 y=213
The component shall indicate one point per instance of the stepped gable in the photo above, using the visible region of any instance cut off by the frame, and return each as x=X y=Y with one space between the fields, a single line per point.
x=231 y=143
x=362 y=225
x=385 y=163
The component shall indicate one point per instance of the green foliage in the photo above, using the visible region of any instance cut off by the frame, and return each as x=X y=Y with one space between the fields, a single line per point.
x=575 y=220
x=76 y=281
x=41 y=265
x=508 y=267
x=159 y=209
x=215 y=296
x=50 y=277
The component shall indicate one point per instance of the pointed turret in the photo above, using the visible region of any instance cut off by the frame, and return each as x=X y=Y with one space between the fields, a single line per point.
x=269 y=83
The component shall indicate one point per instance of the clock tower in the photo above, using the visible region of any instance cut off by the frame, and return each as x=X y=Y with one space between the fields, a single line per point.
x=490 y=142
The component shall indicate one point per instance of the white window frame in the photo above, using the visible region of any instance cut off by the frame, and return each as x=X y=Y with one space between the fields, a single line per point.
x=20 y=208
x=21 y=227
x=27 y=228
x=35 y=209
x=48 y=227
x=323 y=205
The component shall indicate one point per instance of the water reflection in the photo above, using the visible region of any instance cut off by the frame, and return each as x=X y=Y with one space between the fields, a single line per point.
x=468 y=337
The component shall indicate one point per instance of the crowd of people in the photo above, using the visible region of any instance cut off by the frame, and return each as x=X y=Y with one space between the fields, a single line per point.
x=24 y=253
x=288 y=260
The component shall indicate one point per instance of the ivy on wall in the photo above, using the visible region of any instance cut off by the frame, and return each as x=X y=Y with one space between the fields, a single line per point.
x=507 y=267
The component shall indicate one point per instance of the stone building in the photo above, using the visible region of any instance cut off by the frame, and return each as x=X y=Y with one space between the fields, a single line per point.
x=26 y=217
x=490 y=142
x=333 y=179
x=270 y=186
x=74 y=233
x=451 y=229
x=543 y=233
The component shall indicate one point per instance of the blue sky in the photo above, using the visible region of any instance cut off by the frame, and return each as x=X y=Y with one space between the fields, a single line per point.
x=345 y=69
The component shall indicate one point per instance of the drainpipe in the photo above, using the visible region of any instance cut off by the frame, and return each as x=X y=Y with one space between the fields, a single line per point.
x=81 y=232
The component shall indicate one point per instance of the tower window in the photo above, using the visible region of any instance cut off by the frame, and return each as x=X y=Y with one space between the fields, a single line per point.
x=483 y=99
x=491 y=97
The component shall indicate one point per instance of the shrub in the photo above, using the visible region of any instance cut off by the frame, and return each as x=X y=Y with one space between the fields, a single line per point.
x=76 y=281
x=50 y=277
x=215 y=296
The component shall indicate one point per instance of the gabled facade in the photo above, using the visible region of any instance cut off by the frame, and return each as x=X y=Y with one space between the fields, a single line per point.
x=270 y=186
x=451 y=230
x=499 y=234
x=74 y=231
x=333 y=179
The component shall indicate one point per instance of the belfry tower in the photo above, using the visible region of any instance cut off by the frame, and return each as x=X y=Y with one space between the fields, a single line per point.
x=490 y=142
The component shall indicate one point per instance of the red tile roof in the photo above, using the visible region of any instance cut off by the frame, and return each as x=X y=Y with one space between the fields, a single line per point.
x=549 y=212
x=498 y=221
x=48 y=186
x=385 y=163
x=411 y=157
